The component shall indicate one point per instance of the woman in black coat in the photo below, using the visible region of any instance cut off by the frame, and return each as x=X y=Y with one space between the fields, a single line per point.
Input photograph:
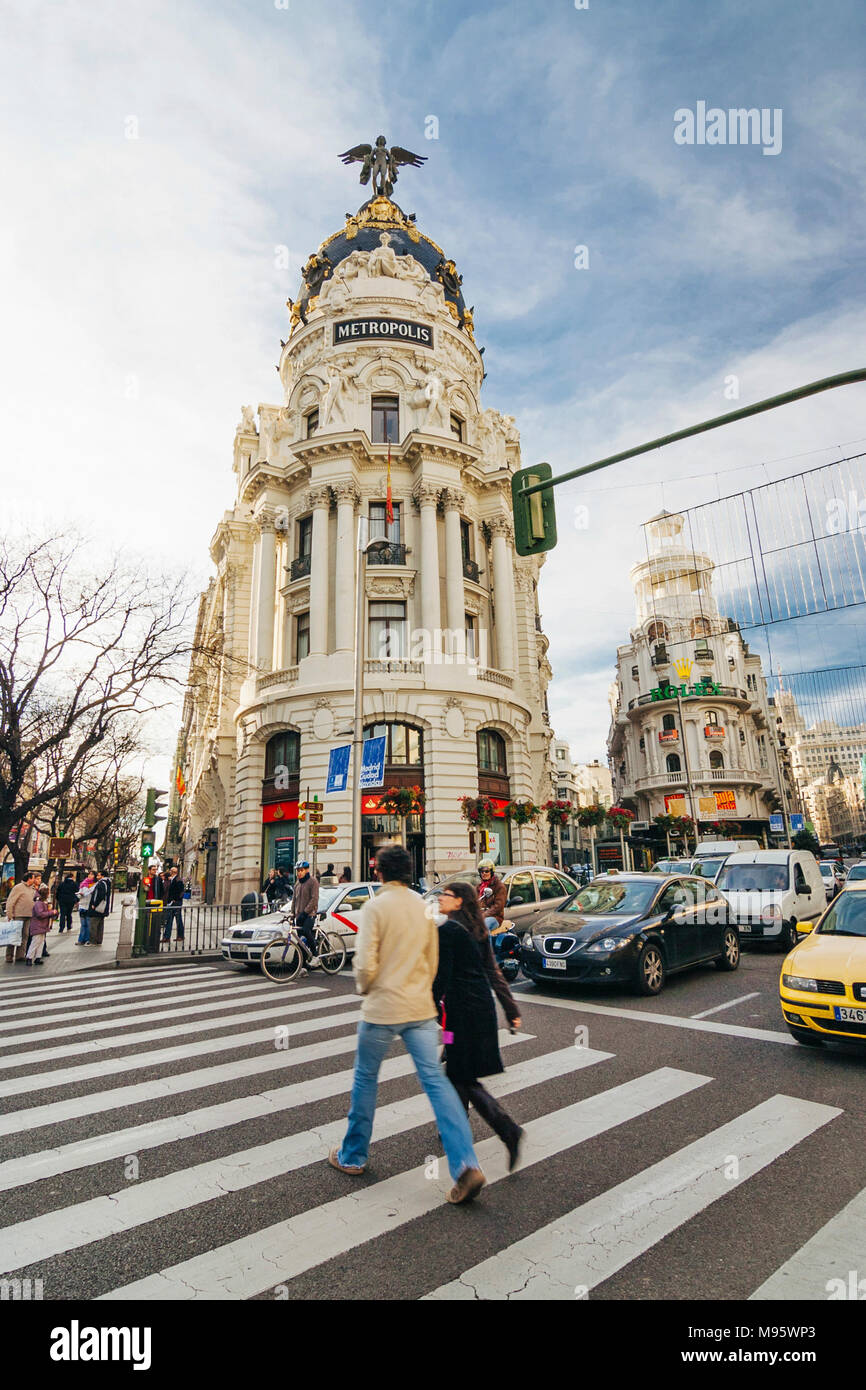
x=466 y=976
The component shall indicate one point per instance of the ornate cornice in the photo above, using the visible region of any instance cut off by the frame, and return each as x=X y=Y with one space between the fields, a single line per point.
x=394 y=585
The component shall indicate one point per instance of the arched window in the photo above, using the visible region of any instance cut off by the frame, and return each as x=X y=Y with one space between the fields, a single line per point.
x=283 y=750
x=701 y=627
x=716 y=759
x=672 y=762
x=668 y=722
x=712 y=717
x=403 y=746
x=491 y=752
x=657 y=632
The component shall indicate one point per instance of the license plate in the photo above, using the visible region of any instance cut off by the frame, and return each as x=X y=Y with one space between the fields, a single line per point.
x=744 y=926
x=240 y=953
x=555 y=965
x=849 y=1015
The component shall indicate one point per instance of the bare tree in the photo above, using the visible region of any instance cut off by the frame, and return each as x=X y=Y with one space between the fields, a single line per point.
x=82 y=659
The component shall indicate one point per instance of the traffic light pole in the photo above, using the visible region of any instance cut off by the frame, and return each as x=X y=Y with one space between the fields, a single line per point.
x=524 y=487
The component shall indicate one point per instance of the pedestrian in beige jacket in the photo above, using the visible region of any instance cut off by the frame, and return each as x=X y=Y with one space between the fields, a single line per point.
x=396 y=954
x=19 y=908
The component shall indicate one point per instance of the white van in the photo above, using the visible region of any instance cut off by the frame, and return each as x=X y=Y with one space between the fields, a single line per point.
x=770 y=891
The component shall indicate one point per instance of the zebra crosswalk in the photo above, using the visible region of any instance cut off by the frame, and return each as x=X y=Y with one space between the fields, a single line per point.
x=202 y=1177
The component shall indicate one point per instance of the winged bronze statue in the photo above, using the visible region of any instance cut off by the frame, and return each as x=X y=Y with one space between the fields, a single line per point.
x=382 y=164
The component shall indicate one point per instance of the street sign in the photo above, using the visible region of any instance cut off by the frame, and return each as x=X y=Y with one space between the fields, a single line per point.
x=338 y=768
x=777 y=824
x=312 y=806
x=325 y=830
x=798 y=821
x=373 y=763
x=322 y=841
x=59 y=847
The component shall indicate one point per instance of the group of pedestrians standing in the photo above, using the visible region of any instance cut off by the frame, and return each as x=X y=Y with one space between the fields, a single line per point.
x=418 y=971
x=28 y=903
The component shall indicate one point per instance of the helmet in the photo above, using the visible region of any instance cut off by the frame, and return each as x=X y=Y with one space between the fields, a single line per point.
x=487 y=864
x=303 y=864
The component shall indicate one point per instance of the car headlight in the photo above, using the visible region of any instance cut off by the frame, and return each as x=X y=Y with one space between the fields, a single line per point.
x=771 y=913
x=799 y=982
x=266 y=933
x=610 y=943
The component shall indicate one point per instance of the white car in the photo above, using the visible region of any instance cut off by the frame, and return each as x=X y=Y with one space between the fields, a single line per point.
x=770 y=891
x=339 y=907
x=833 y=876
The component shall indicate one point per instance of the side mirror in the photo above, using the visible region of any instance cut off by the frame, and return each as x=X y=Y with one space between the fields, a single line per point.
x=804 y=928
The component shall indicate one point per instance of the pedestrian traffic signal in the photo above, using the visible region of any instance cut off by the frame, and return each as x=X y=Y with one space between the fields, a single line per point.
x=153 y=806
x=534 y=516
x=148 y=843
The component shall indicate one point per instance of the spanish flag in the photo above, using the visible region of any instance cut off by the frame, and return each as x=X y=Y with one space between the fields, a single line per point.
x=389 y=503
x=180 y=783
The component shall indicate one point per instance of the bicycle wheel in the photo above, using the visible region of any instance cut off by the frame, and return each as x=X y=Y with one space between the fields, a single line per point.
x=332 y=952
x=281 y=960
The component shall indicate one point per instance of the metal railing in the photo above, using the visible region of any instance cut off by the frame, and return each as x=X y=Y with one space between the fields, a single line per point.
x=393 y=554
x=300 y=568
x=203 y=925
x=470 y=569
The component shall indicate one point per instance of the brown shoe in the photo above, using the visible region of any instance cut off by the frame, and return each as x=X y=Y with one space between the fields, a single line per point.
x=467 y=1186
x=352 y=1169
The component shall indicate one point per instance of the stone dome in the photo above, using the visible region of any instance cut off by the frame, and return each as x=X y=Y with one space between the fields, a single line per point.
x=362 y=232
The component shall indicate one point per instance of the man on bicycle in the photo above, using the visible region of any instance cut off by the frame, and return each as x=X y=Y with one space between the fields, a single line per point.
x=305 y=903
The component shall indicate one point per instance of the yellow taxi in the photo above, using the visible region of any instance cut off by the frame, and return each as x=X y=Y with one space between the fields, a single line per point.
x=823 y=984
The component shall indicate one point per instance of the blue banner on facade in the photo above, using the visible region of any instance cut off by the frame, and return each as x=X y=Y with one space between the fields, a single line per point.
x=373 y=764
x=338 y=769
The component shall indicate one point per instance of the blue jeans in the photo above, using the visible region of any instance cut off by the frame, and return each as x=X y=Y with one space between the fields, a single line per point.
x=84 y=934
x=421 y=1041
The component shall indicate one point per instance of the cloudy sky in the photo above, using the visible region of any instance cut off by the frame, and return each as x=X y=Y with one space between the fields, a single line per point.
x=158 y=155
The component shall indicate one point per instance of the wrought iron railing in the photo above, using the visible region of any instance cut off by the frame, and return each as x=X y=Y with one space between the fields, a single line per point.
x=393 y=554
x=300 y=568
x=203 y=926
x=470 y=569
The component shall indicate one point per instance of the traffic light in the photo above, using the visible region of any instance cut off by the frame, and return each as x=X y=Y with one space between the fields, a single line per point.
x=534 y=516
x=148 y=841
x=153 y=806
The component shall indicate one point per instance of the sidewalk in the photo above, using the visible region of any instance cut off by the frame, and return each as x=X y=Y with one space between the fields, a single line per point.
x=65 y=957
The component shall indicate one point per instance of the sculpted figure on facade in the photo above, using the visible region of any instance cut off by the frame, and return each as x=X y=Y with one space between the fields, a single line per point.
x=383 y=258
x=248 y=420
x=491 y=431
x=337 y=396
x=429 y=402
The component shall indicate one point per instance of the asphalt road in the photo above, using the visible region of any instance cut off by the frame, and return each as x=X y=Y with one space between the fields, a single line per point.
x=161 y=1138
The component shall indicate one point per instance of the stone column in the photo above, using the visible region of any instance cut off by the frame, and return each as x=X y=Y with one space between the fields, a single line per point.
x=454 y=593
x=319 y=499
x=348 y=498
x=265 y=592
x=503 y=579
x=426 y=496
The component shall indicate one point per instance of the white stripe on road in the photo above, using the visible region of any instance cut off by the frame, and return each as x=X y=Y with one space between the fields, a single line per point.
x=717 y=1009
x=253 y=1264
x=226 y=999
x=86 y=1047
x=16 y=1121
x=68 y=1228
x=85 y=981
x=590 y=1244
x=85 y=1152
x=667 y=1020
x=829 y=1266
x=86 y=1010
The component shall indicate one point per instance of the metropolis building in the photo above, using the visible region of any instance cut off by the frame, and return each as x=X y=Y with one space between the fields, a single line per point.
x=381 y=419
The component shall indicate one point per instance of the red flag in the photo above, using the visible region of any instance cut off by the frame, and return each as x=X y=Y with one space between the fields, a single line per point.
x=389 y=504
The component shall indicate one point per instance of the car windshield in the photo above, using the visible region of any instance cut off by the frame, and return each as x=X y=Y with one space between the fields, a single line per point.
x=826 y=870
x=858 y=871
x=706 y=868
x=753 y=878
x=847 y=916
x=327 y=896
x=621 y=897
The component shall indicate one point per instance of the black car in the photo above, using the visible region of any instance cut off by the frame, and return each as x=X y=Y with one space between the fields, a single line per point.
x=632 y=928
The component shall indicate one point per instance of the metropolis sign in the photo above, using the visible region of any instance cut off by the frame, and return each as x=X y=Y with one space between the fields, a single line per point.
x=395 y=330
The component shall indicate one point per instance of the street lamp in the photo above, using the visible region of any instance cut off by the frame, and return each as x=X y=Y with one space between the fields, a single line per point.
x=364 y=548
